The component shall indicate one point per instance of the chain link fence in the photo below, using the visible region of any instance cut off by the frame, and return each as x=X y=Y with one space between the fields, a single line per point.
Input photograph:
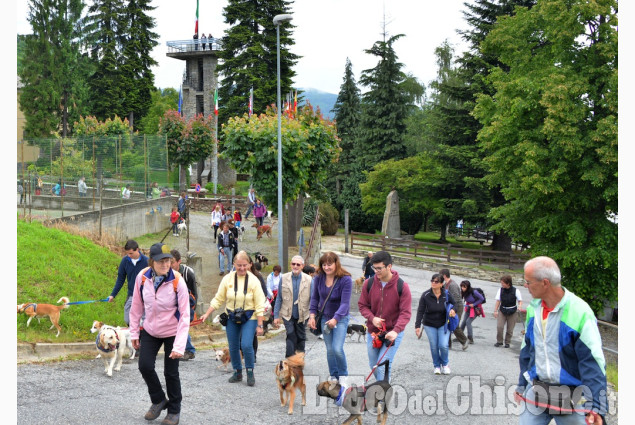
x=94 y=168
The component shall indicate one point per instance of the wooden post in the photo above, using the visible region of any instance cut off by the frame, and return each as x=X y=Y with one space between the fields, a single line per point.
x=346 y=230
x=233 y=201
x=449 y=254
x=352 y=242
x=480 y=255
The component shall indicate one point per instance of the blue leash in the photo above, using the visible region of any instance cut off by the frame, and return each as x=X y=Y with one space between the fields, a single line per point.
x=87 y=302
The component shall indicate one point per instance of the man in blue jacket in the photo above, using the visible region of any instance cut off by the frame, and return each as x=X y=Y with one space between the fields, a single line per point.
x=129 y=267
x=561 y=354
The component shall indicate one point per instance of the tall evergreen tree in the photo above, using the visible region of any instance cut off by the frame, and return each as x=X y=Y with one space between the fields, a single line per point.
x=137 y=78
x=53 y=70
x=347 y=111
x=384 y=106
x=249 y=56
x=105 y=28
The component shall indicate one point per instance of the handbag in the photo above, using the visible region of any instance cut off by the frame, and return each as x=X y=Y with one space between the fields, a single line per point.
x=318 y=318
x=223 y=318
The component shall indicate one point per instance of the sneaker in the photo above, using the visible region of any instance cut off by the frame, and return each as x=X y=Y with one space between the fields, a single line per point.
x=251 y=380
x=470 y=339
x=498 y=344
x=236 y=377
x=221 y=273
x=188 y=355
x=506 y=345
x=446 y=370
x=437 y=371
x=155 y=410
x=171 y=419
x=464 y=346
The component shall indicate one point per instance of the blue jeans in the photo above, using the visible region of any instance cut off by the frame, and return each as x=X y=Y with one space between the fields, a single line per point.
x=467 y=320
x=241 y=337
x=534 y=415
x=439 y=339
x=334 y=341
x=374 y=354
x=225 y=259
x=188 y=345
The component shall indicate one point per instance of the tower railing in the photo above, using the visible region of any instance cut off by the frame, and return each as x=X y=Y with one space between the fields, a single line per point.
x=180 y=46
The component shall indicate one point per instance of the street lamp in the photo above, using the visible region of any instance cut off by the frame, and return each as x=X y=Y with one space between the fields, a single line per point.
x=277 y=20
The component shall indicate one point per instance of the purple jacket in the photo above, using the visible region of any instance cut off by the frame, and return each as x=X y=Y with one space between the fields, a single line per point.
x=338 y=304
x=260 y=210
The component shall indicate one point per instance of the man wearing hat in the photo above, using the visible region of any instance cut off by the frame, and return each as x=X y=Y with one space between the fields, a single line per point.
x=129 y=267
x=166 y=324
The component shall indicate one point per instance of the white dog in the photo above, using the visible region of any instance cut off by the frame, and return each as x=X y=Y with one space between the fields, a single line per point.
x=111 y=345
x=241 y=232
x=123 y=332
x=181 y=227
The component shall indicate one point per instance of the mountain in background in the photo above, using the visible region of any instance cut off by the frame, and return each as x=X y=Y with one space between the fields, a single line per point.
x=320 y=98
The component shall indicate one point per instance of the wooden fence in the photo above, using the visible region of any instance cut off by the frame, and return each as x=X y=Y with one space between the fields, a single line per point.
x=363 y=242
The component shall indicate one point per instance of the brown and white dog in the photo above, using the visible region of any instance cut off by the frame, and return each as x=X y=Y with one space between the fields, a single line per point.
x=43 y=310
x=357 y=399
x=290 y=376
x=111 y=344
x=225 y=359
x=359 y=282
x=125 y=332
x=262 y=230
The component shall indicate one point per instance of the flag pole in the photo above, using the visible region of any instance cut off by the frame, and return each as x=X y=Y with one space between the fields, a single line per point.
x=215 y=178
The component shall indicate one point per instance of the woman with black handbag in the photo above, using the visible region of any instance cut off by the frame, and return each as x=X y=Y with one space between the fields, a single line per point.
x=244 y=301
x=508 y=302
x=330 y=300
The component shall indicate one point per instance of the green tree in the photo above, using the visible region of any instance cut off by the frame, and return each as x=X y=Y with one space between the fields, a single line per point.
x=137 y=78
x=162 y=101
x=52 y=69
x=188 y=141
x=105 y=30
x=550 y=137
x=249 y=56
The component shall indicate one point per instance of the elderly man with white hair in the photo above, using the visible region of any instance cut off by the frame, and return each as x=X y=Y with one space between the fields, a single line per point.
x=292 y=304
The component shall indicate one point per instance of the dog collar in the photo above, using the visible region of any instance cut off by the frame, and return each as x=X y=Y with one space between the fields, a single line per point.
x=106 y=350
x=29 y=305
x=341 y=396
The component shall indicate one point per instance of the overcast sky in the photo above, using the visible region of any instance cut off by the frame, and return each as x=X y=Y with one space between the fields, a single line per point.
x=326 y=33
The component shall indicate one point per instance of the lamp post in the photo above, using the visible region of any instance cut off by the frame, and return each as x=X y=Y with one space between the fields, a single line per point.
x=277 y=20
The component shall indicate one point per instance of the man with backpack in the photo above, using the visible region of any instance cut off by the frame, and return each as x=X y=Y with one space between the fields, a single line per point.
x=455 y=291
x=129 y=267
x=190 y=281
x=385 y=301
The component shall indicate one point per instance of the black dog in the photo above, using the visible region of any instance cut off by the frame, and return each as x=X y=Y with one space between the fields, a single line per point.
x=360 y=330
x=260 y=258
x=357 y=400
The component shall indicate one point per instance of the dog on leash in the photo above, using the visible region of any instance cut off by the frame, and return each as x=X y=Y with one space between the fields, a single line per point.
x=224 y=358
x=289 y=377
x=125 y=332
x=181 y=227
x=357 y=399
x=45 y=310
x=355 y=329
x=241 y=233
x=262 y=230
x=111 y=344
x=359 y=282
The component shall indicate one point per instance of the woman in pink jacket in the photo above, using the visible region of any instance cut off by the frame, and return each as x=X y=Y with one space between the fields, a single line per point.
x=161 y=294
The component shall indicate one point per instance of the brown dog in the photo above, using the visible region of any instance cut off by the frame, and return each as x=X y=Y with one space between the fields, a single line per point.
x=262 y=230
x=290 y=376
x=359 y=282
x=43 y=310
x=357 y=399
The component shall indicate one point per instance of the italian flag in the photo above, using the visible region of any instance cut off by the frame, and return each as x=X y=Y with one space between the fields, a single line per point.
x=196 y=24
x=216 y=102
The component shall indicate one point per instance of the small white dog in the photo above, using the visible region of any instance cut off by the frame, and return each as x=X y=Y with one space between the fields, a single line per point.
x=181 y=227
x=241 y=232
x=123 y=332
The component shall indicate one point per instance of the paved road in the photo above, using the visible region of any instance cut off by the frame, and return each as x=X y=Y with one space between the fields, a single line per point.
x=78 y=392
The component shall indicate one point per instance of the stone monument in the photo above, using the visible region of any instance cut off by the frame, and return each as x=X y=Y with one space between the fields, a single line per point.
x=391 y=226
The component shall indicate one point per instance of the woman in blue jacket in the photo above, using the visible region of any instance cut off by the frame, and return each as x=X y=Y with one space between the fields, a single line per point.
x=473 y=300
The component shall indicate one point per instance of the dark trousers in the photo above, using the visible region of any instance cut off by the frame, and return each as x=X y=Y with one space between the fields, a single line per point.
x=458 y=332
x=147 y=358
x=260 y=220
x=296 y=335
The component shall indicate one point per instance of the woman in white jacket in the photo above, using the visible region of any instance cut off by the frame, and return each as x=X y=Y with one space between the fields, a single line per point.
x=217 y=217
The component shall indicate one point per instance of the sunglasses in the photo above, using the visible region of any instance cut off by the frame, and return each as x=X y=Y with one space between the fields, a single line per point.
x=296 y=264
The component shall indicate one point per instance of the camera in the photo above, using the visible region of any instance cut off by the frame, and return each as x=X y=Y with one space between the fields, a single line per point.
x=237 y=316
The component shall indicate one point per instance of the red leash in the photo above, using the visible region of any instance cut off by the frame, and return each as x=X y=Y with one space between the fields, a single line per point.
x=562 y=410
x=378 y=361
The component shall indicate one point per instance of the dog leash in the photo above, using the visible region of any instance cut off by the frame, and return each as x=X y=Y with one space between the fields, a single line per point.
x=88 y=302
x=560 y=409
x=378 y=361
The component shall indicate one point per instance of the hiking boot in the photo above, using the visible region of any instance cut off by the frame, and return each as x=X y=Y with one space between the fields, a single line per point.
x=221 y=273
x=237 y=376
x=464 y=346
x=470 y=339
x=506 y=345
x=171 y=419
x=155 y=410
x=251 y=381
x=498 y=344
x=188 y=355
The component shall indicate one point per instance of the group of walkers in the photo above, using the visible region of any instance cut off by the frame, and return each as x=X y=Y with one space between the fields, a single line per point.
x=558 y=323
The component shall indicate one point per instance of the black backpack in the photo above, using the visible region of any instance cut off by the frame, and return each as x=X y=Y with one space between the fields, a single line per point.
x=482 y=293
x=399 y=285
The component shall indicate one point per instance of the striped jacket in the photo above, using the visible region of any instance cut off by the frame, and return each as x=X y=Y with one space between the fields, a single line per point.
x=568 y=353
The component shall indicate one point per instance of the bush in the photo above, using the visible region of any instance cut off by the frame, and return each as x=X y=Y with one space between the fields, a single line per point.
x=329 y=218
